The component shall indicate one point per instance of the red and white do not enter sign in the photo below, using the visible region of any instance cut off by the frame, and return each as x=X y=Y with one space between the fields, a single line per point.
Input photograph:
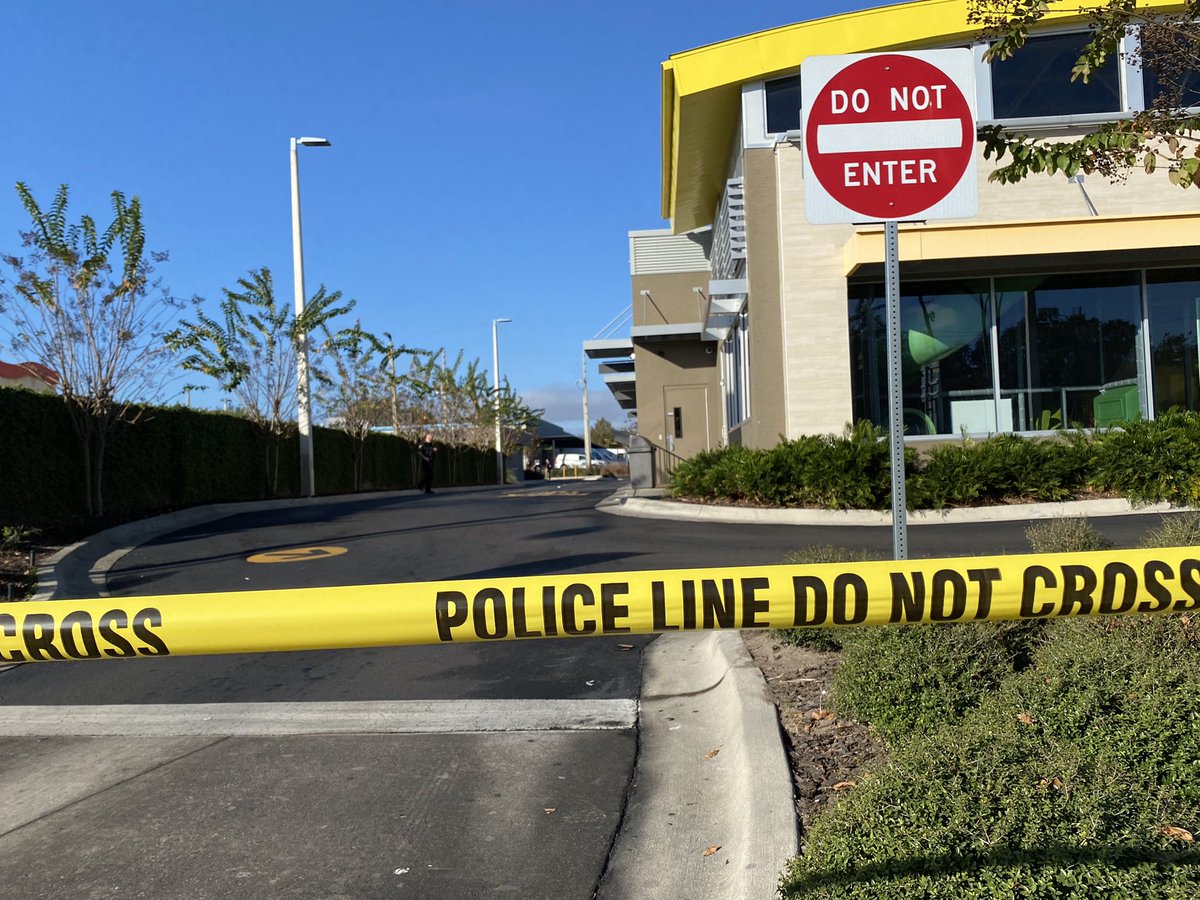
x=889 y=136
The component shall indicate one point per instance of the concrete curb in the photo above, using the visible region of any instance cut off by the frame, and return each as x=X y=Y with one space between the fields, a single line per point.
x=749 y=515
x=703 y=693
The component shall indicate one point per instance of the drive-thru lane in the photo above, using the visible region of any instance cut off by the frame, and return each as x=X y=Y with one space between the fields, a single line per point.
x=199 y=777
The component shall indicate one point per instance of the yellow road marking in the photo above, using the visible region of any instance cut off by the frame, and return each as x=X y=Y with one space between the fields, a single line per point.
x=296 y=554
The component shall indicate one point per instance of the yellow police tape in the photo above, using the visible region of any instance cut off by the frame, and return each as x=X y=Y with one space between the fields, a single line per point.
x=614 y=603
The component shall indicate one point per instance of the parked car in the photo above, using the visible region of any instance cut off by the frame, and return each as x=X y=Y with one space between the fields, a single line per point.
x=574 y=459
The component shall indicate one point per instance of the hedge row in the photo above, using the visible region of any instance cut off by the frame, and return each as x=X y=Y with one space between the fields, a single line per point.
x=1146 y=461
x=175 y=457
x=1049 y=759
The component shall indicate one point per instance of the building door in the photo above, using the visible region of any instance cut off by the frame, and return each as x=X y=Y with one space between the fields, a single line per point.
x=686 y=420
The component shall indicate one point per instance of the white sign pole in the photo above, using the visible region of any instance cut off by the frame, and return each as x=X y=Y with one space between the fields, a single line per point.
x=891 y=240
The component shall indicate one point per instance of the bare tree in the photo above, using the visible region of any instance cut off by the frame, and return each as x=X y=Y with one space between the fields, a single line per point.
x=83 y=302
x=250 y=351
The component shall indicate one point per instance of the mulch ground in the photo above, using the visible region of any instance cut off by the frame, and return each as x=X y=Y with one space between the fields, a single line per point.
x=827 y=754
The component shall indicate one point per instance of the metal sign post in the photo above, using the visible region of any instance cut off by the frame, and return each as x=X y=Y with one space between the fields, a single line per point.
x=891 y=240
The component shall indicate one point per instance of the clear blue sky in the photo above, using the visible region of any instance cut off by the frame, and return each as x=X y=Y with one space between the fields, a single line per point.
x=488 y=158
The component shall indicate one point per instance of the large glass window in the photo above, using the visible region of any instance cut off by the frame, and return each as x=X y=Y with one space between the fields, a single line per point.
x=945 y=339
x=1068 y=348
x=1173 y=303
x=1036 y=82
x=783 y=105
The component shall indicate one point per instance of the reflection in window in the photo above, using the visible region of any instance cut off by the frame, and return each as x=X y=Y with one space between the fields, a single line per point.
x=783 y=105
x=1036 y=82
x=1173 y=301
x=946 y=351
x=1166 y=74
x=1068 y=348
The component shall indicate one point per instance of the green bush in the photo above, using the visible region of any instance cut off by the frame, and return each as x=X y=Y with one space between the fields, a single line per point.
x=725 y=474
x=826 y=639
x=1176 y=530
x=1001 y=468
x=1065 y=535
x=847 y=472
x=916 y=678
x=1065 y=782
x=1152 y=461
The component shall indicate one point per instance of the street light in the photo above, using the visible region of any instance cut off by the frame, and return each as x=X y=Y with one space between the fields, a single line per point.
x=303 y=400
x=496 y=398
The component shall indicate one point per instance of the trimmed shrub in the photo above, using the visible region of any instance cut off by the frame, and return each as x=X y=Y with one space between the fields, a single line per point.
x=848 y=472
x=1002 y=468
x=1151 y=461
x=175 y=457
x=724 y=474
x=1075 y=779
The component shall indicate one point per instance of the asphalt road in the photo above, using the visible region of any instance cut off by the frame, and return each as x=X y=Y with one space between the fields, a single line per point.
x=519 y=795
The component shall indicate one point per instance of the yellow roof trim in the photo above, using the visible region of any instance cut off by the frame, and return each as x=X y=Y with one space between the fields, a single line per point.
x=701 y=88
x=984 y=240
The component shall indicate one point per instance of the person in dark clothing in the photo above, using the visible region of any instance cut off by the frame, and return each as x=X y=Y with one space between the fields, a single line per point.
x=427 y=451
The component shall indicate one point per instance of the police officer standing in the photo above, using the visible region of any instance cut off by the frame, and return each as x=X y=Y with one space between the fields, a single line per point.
x=427 y=451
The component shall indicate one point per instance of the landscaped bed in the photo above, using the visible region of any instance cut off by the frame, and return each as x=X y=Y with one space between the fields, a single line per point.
x=1146 y=461
x=996 y=760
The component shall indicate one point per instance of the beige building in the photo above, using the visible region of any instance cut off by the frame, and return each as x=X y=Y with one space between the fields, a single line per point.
x=1065 y=302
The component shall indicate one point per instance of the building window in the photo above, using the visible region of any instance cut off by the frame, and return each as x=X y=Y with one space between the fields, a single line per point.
x=1163 y=75
x=945 y=338
x=1034 y=83
x=1067 y=351
x=783 y=105
x=1173 y=307
x=735 y=372
x=1066 y=340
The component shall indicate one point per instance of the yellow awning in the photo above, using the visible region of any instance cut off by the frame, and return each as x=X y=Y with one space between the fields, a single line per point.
x=1022 y=245
x=701 y=88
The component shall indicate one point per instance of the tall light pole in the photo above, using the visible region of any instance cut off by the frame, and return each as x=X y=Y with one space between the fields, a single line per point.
x=303 y=399
x=587 y=419
x=496 y=398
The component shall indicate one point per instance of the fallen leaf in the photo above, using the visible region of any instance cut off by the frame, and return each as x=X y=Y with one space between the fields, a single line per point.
x=710 y=851
x=711 y=753
x=1026 y=719
x=550 y=811
x=1179 y=833
x=821 y=713
x=842 y=785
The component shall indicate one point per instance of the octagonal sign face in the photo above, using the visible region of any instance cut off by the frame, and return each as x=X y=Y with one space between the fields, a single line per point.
x=889 y=136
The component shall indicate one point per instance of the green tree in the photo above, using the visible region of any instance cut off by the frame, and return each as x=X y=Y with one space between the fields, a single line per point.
x=354 y=395
x=82 y=302
x=602 y=434
x=250 y=350
x=1163 y=134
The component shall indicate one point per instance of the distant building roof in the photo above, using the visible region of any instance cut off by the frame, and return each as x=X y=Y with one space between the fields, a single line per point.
x=20 y=371
x=548 y=431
